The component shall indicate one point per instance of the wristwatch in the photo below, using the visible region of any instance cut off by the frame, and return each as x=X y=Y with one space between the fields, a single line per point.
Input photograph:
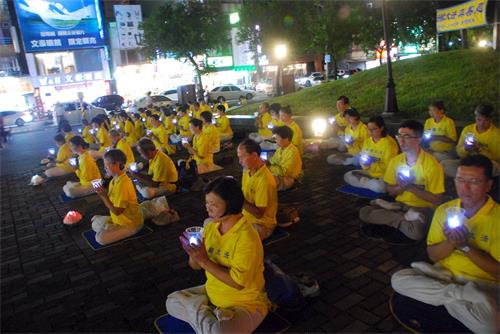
x=465 y=249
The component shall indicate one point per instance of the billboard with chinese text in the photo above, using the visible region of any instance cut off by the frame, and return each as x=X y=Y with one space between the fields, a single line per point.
x=466 y=15
x=60 y=24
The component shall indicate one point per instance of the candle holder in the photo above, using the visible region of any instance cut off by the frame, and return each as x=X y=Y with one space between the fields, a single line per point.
x=427 y=134
x=73 y=162
x=455 y=217
x=52 y=151
x=194 y=235
x=348 y=139
x=405 y=172
x=133 y=166
x=331 y=120
x=270 y=126
x=365 y=158
x=469 y=139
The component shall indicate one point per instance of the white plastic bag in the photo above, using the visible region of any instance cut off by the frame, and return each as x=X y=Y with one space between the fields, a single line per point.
x=36 y=180
x=159 y=211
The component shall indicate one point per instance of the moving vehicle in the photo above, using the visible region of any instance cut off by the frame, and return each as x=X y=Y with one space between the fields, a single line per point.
x=310 y=80
x=230 y=92
x=15 y=117
x=109 y=102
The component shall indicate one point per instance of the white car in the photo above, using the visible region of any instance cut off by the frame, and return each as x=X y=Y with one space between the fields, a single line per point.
x=171 y=94
x=15 y=117
x=73 y=112
x=230 y=92
x=265 y=87
x=158 y=101
x=310 y=80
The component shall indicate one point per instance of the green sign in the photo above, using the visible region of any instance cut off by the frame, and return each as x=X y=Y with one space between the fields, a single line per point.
x=245 y=68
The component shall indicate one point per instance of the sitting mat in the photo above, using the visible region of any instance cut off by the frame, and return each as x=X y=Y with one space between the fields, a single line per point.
x=359 y=192
x=89 y=236
x=64 y=199
x=278 y=235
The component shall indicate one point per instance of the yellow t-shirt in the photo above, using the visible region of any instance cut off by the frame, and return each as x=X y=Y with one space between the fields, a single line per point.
x=161 y=137
x=383 y=150
x=68 y=136
x=260 y=190
x=125 y=147
x=341 y=121
x=224 y=127
x=226 y=106
x=211 y=132
x=204 y=107
x=89 y=139
x=103 y=138
x=169 y=126
x=122 y=194
x=265 y=119
x=276 y=122
x=87 y=169
x=139 y=129
x=197 y=113
x=286 y=162
x=445 y=127
x=203 y=146
x=183 y=125
x=163 y=170
x=488 y=141
x=297 y=136
x=64 y=154
x=130 y=132
x=240 y=251
x=427 y=172
x=359 y=135
x=485 y=235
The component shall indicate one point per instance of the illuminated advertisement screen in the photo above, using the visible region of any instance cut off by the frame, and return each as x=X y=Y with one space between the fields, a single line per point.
x=60 y=24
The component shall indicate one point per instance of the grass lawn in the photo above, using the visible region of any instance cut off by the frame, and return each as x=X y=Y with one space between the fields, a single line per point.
x=462 y=79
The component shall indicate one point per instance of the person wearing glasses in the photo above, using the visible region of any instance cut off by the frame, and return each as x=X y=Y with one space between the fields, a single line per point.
x=465 y=275
x=416 y=179
x=482 y=137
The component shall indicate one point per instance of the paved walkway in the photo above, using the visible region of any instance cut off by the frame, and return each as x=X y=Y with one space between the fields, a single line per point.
x=51 y=281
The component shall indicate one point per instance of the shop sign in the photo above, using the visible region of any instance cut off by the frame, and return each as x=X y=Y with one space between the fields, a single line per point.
x=128 y=18
x=466 y=15
x=69 y=78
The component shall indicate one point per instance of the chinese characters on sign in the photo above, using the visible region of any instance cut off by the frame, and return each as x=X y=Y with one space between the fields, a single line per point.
x=128 y=18
x=70 y=78
x=467 y=15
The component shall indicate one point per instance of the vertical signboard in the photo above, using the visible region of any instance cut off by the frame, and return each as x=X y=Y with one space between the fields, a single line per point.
x=128 y=18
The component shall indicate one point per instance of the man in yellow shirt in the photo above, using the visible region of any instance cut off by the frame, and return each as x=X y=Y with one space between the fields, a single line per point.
x=162 y=174
x=259 y=188
x=286 y=118
x=126 y=215
x=204 y=106
x=339 y=124
x=440 y=132
x=286 y=163
x=122 y=145
x=223 y=125
x=201 y=149
x=61 y=166
x=355 y=136
x=211 y=131
x=482 y=137
x=465 y=277
x=262 y=122
x=416 y=179
x=183 y=123
x=158 y=134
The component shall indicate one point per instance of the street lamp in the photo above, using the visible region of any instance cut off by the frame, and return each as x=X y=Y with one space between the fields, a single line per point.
x=391 y=104
x=280 y=52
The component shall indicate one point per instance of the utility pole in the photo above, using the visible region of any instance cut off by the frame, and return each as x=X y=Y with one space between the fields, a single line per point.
x=391 y=103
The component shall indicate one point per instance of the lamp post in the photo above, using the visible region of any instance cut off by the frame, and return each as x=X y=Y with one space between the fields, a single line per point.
x=391 y=103
x=280 y=52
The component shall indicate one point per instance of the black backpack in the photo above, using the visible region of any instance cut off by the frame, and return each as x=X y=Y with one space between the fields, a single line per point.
x=188 y=173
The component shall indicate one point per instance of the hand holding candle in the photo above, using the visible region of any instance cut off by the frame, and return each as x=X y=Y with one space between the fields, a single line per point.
x=427 y=134
x=52 y=151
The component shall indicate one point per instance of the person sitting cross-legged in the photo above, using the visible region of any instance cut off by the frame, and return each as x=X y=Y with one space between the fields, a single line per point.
x=201 y=149
x=162 y=174
x=286 y=118
x=339 y=124
x=210 y=130
x=465 y=250
x=374 y=157
x=262 y=121
x=416 y=178
x=123 y=145
x=286 y=163
x=440 y=132
x=223 y=125
x=233 y=298
x=86 y=170
x=126 y=216
x=259 y=189
x=61 y=165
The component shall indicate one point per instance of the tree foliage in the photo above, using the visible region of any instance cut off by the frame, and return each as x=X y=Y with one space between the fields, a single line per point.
x=186 y=29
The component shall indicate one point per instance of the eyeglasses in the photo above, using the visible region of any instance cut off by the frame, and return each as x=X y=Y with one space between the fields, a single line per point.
x=405 y=137
x=472 y=182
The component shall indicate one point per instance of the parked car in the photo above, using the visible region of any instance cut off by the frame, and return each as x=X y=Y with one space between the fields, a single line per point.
x=265 y=87
x=109 y=102
x=171 y=94
x=308 y=80
x=158 y=101
x=230 y=92
x=15 y=117
x=73 y=112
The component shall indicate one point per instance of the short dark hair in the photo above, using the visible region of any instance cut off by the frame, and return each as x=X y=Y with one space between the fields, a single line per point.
x=379 y=120
x=416 y=126
x=59 y=138
x=478 y=160
x=123 y=114
x=196 y=122
x=287 y=110
x=229 y=190
x=251 y=146
x=115 y=156
x=155 y=117
x=207 y=116
x=485 y=110
x=220 y=107
x=114 y=133
x=283 y=131
x=353 y=113
x=66 y=127
x=344 y=99
x=275 y=107
x=78 y=141
x=146 y=145
x=437 y=104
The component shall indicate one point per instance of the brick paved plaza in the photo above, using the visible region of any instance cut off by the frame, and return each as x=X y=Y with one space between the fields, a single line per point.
x=52 y=281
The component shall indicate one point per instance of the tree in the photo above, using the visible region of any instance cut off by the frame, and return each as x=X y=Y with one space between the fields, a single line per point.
x=185 y=30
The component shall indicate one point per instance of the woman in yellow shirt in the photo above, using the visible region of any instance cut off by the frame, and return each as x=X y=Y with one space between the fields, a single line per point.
x=128 y=128
x=101 y=129
x=374 y=157
x=125 y=218
x=223 y=125
x=222 y=101
x=138 y=126
x=87 y=136
x=61 y=166
x=233 y=299
x=86 y=169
